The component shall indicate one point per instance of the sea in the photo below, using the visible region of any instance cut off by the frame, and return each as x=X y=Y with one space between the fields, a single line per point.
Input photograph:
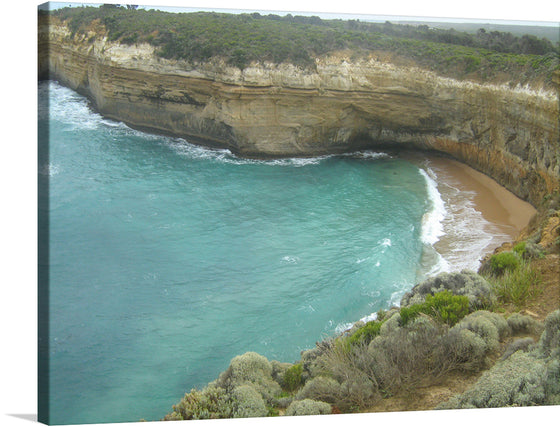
x=167 y=259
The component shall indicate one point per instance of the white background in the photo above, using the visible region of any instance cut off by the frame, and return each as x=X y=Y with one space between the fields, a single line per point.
x=18 y=273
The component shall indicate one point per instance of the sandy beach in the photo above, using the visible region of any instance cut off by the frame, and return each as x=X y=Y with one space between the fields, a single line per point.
x=481 y=214
x=497 y=204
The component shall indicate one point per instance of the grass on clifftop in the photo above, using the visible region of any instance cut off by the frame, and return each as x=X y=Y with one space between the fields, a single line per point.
x=243 y=38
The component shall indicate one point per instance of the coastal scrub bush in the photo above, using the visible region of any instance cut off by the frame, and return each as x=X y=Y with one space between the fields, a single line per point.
x=463 y=349
x=516 y=381
x=504 y=261
x=522 y=379
x=517 y=285
x=549 y=343
x=443 y=306
x=241 y=39
x=321 y=388
x=293 y=377
x=248 y=402
x=549 y=348
x=391 y=323
x=520 y=323
x=466 y=283
x=485 y=325
x=522 y=344
x=250 y=368
x=499 y=322
x=366 y=333
x=210 y=403
x=308 y=407
x=552 y=384
x=279 y=370
x=353 y=367
x=406 y=355
x=312 y=360
x=533 y=251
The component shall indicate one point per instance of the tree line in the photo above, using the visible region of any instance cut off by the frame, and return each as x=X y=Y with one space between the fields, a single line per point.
x=243 y=38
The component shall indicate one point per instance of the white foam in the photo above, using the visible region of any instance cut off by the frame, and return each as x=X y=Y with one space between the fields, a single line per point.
x=386 y=242
x=467 y=235
x=432 y=221
x=68 y=107
x=185 y=148
x=343 y=327
x=471 y=234
x=346 y=326
x=369 y=154
x=290 y=259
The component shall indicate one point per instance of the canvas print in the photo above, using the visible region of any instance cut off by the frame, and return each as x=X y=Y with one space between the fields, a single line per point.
x=253 y=213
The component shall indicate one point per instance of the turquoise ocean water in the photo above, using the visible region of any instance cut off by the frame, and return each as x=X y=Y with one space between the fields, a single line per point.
x=168 y=259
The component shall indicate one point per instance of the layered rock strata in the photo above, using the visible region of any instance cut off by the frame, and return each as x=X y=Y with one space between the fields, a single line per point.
x=277 y=110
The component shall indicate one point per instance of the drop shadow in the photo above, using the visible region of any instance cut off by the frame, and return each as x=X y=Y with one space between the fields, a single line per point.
x=28 y=417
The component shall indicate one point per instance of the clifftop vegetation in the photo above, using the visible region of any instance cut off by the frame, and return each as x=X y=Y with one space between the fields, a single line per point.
x=243 y=38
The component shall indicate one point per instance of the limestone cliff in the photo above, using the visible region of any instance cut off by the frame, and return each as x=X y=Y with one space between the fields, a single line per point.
x=272 y=110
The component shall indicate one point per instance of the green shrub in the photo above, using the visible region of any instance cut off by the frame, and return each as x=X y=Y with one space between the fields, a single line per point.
x=308 y=407
x=520 y=248
x=465 y=283
x=552 y=384
x=533 y=251
x=366 y=333
x=529 y=250
x=279 y=370
x=443 y=306
x=381 y=315
x=504 y=261
x=447 y=307
x=293 y=377
x=518 y=285
x=410 y=312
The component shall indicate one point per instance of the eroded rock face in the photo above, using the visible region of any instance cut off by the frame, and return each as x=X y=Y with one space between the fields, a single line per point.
x=270 y=110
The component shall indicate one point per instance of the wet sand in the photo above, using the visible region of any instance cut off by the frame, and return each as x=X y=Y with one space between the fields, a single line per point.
x=481 y=214
x=496 y=204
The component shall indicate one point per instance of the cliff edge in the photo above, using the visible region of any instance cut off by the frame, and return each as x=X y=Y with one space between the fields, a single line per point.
x=342 y=104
